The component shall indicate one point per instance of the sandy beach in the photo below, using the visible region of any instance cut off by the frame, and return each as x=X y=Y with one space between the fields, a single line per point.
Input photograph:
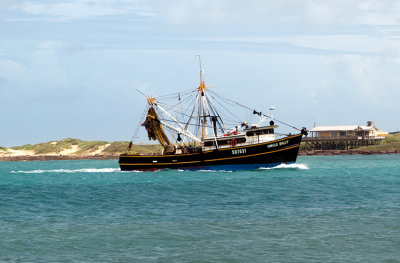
x=10 y=154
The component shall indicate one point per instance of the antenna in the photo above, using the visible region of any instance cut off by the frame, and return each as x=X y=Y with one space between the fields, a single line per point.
x=201 y=69
x=270 y=112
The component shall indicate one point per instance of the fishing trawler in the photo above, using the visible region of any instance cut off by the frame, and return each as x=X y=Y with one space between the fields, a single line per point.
x=202 y=139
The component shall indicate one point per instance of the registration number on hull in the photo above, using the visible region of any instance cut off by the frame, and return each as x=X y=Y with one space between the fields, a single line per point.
x=238 y=151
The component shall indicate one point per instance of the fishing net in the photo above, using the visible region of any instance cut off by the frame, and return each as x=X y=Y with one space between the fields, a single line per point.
x=154 y=129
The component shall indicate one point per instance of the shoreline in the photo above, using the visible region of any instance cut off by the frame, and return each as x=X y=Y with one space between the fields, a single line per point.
x=345 y=152
x=110 y=157
x=56 y=157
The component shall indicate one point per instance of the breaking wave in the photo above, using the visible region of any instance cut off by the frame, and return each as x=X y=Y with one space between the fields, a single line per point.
x=288 y=166
x=115 y=170
x=84 y=170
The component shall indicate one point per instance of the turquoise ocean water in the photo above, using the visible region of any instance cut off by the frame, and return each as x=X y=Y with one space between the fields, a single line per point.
x=322 y=209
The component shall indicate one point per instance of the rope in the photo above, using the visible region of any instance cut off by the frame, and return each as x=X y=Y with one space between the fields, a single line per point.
x=186 y=100
x=139 y=125
x=244 y=106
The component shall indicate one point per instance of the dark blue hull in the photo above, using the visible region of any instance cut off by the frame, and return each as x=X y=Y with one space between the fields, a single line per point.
x=268 y=154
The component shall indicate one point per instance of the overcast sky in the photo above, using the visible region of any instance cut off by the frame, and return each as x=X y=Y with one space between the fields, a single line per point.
x=70 y=68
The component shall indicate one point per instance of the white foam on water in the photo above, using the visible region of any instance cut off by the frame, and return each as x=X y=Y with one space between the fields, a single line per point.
x=113 y=170
x=208 y=171
x=212 y=171
x=84 y=170
x=216 y=171
x=287 y=166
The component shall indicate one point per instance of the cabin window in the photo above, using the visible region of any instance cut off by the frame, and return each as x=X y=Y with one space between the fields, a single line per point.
x=268 y=131
x=241 y=140
x=342 y=133
x=259 y=132
x=208 y=144
x=224 y=142
x=249 y=133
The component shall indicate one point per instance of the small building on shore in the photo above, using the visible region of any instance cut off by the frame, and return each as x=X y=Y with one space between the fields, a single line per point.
x=343 y=137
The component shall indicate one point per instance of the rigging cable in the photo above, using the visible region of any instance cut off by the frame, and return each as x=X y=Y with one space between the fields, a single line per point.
x=244 y=106
x=139 y=124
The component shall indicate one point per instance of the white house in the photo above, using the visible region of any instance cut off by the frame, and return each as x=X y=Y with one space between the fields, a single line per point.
x=344 y=137
x=355 y=131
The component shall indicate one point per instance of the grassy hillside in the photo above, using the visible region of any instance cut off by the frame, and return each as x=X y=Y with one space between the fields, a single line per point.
x=79 y=147
x=59 y=146
x=146 y=148
x=392 y=142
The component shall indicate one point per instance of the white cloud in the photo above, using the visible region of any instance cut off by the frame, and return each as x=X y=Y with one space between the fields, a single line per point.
x=210 y=12
x=304 y=15
x=339 y=44
x=5 y=3
x=79 y=9
x=13 y=77
x=299 y=15
x=367 y=44
x=342 y=53
x=52 y=45
x=11 y=69
x=375 y=79
x=384 y=13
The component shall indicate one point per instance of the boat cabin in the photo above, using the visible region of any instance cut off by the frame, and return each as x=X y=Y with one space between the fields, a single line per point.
x=249 y=135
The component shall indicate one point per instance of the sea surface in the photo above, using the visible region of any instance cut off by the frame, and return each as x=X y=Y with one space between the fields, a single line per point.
x=322 y=209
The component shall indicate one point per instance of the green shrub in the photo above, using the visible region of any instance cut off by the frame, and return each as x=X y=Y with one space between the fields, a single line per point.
x=86 y=147
x=71 y=141
x=46 y=148
x=391 y=142
x=89 y=146
x=116 y=148
x=147 y=149
x=26 y=147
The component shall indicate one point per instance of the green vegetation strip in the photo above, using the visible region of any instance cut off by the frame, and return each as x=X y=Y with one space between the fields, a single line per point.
x=88 y=147
x=390 y=143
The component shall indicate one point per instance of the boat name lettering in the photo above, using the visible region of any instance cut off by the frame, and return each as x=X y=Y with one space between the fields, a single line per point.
x=277 y=144
x=238 y=151
x=283 y=143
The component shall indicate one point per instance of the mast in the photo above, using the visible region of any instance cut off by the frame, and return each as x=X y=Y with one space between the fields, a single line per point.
x=202 y=89
x=202 y=109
